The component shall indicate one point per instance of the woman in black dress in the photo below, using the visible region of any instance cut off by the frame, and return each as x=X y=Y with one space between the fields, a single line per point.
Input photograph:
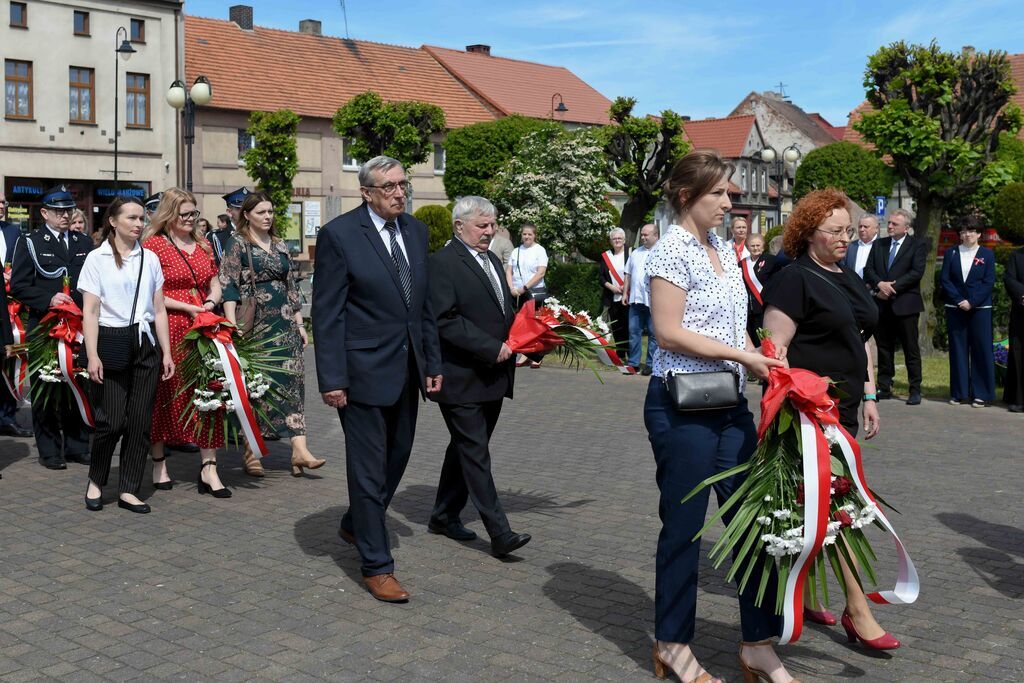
x=821 y=317
x=1013 y=392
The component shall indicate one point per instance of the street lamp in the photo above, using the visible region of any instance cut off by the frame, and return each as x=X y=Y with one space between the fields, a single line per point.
x=186 y=100
x=123 y=49
x=790 y=155
x=561 y=108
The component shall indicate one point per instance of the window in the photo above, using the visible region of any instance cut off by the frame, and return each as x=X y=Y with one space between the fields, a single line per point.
x=439 y=159
x=743 y=178
x=81 y=23
x=80 y=95
x=18 y=89
x=347 y=160
x=764 y=180
x=19 y=15
x=245 y=143
x=137 y=90
x=138 y=31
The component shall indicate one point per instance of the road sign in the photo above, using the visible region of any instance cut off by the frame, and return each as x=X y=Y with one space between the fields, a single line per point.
x=880 y=203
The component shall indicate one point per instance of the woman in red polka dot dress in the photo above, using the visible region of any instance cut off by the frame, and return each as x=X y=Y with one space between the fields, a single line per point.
x=190 y=277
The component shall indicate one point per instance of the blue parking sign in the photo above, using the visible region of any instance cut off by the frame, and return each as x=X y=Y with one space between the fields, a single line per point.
x=880 y=203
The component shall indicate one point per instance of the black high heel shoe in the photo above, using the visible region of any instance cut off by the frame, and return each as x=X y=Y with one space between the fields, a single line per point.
x=94 y=504
x=203 y=487
x=163 y=485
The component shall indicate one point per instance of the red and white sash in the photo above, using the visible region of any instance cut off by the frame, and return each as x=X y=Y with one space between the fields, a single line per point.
x=611 y=268
x=750 y=278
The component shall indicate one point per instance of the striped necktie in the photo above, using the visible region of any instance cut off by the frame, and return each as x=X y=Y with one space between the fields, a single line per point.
x=401 y=265
x=486 y=265
x=892 y=253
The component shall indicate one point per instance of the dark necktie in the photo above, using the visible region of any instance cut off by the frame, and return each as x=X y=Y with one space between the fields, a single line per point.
x=401 y=265
x=892 y=253
x=64 y=242
x=486 y=265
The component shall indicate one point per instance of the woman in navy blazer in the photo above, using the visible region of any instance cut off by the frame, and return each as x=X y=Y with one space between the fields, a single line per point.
x=968 y=276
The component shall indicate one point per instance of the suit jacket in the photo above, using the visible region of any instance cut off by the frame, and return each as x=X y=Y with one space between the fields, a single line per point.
x=981 y=278
x=905 y=274
x=471 y=325
x=607 y=295
x=363 y=330
x=765 y=266
x=31 y=285
x=10 y=233
x=1013 y=279
x=850 y=260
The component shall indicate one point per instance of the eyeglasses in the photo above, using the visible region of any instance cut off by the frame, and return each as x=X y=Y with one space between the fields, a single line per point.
x=841 y=235
x=60 y=212
x=390 y=188
x=189 y=215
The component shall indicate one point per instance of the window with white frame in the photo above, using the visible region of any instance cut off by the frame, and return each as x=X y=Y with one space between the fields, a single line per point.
x=743 y=178
x=439 y=159
x=348 y=161
x=246 y=141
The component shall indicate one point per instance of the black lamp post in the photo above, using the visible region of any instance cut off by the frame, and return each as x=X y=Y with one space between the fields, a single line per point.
x=561 y=108
x=186 y=100
x=790 y=155
x=124 y=50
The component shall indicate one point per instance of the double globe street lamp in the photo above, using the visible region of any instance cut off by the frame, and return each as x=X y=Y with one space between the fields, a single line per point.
x=186 y=100
x=790 y=155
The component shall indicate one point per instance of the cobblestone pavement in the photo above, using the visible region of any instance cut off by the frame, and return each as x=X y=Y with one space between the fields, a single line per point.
x=259 y=586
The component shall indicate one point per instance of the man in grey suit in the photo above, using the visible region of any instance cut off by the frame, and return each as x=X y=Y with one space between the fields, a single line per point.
x=857 y=255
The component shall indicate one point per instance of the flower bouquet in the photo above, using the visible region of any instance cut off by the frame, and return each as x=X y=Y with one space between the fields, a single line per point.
x=804 y=501
x=15 y=370
x=574 y=337
x=228 y=379
x=53 y=351
x=1001 y=357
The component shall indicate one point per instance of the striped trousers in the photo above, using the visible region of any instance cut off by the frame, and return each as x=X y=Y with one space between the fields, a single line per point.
x=123 y=411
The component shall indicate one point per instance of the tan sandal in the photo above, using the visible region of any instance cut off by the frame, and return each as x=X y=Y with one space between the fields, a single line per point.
x=750 y=674
x=251 y=464
x=662 y=669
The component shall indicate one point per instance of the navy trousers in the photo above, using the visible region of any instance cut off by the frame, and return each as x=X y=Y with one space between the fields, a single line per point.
x=972 y=373
x=688 y=448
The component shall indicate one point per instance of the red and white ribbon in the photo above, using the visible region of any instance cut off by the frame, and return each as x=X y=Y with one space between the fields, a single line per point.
x=17 y=383
x=750 y=278
x=66 y=361
x=235 y=383
x=605 y=353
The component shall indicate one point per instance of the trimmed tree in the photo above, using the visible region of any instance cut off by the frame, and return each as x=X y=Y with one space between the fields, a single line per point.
x=641 y=152
x=400 y=130
x=474 y=154
x=274 y=160
x=438 y=220
x=556 y=181
x=937 y=116
x=1006 y=168
x=846 y=166
x=1008 y=212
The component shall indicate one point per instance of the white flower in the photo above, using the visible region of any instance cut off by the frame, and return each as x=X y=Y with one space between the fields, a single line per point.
x=229 y=406
x=784 y=513
x=767 y=499
x=795 y=532
x=764 y=520
x=832 y=434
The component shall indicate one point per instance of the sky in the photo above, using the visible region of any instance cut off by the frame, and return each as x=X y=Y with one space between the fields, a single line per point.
x=698 y=58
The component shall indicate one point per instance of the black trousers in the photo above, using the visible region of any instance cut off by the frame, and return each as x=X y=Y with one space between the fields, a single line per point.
x=378 y=441
x=59 y=428
x=123 y=411
x=892 y=330
x=619 y=315
x=466 y=472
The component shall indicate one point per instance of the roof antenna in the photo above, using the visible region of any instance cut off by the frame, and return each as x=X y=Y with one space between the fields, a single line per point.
x=781 y=86
x=345 y=15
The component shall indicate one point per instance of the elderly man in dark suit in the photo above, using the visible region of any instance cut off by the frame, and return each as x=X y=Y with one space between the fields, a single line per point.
x=474 y=313
x=41 y=262
x=857 y=255
x=376 y=352
x=893 y=272
x=9 y=235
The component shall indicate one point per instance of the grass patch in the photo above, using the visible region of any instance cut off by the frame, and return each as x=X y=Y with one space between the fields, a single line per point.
x=934 y=376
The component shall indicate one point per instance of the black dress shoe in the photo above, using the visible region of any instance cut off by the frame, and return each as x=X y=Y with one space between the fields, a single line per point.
x=646 y=371
x=83 y=458
x=453 y=530
x=55 y=463
x=883 y=394
x=93 y=504
x=13 y=429
x=508 y=542
x=1015 y=408
x=914 y=399
x=141 y=508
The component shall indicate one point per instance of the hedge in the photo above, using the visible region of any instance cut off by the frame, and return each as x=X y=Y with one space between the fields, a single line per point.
x=576 y=285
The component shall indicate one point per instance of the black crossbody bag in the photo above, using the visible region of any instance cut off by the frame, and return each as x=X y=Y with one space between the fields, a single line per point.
x=115 y=346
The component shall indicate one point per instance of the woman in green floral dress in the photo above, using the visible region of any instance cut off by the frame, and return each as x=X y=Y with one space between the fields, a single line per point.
x=278 y=312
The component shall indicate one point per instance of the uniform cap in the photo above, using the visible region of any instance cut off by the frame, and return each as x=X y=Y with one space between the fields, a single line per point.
x=234 y=199
x=58 y=198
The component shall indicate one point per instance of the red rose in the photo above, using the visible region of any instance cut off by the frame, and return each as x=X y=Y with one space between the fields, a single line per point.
x=799 y=494
x=843 y=517
x=215 y=386
x=842 y=485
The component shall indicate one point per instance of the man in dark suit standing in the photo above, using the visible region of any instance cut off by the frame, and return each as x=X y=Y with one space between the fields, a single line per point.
x=474 y=314
x=857 y=255
x=894 y=271
x=41 y=262
x=9 y=236
x=376 y=349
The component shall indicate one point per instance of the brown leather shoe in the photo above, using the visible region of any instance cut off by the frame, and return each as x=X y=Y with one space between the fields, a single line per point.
x=347 y=536
x=251 y=464
x=385 y=587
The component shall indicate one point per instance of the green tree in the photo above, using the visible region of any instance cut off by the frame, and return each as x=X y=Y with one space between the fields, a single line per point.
x=1006 y=168
x=641 y=152
x=557 y=182
x=937 y=116
x=1008 y=212
x=474 y=154
x=846 y=166
x=439 y=225
x=400 y=130
x=273 y=160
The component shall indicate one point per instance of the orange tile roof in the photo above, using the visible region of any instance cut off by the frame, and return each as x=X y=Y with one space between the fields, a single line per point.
x=514 y=86
x=726 y=136
x=267 y=69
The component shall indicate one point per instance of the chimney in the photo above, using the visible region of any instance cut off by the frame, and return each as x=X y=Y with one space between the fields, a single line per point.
x=310 y=26
x=241 y=15
x=479 y=49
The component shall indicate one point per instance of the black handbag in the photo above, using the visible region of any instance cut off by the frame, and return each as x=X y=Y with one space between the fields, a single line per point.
x=703 y=390
x=115 y=346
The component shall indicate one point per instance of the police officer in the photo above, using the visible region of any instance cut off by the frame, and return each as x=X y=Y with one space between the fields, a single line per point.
x=151 y=204
x=219 y=238
x=41 y=261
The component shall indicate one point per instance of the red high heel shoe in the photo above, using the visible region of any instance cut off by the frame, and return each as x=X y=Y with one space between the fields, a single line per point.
x=883 y=642
x=823 y=617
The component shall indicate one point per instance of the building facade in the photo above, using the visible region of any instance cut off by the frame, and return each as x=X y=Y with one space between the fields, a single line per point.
x=59 y=108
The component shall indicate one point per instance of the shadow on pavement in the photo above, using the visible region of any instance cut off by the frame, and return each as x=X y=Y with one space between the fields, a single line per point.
x=416 y=502
x=995 y=564
x=11 y=451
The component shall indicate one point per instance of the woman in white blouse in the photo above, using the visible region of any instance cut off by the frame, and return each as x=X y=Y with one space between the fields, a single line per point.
x=122 y=293
x=699 y=306
x=525 y=272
